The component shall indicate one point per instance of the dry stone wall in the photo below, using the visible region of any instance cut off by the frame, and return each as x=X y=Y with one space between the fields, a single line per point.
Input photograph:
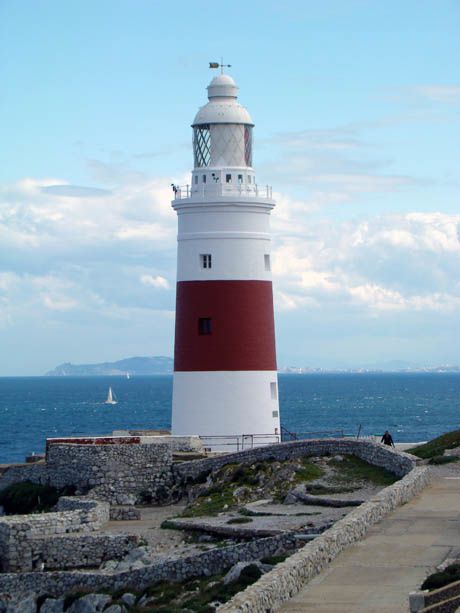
x=119 y=473
x=57 y=583
x=397 y=462
x=287 y=578
x=21 y=535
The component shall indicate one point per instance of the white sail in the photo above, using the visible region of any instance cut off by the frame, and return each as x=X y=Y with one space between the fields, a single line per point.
x=110 y=398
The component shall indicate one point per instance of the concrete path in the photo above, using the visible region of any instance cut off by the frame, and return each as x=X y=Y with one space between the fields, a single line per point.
x=378 y=573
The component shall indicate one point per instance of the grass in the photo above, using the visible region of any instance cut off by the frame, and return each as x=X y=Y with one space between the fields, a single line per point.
x=239 y=520
x=437 y=446
x=352 y=468
x=27 y=497
x=444 y=459
x=210 y=504
x=308 y=472
x=440 y=579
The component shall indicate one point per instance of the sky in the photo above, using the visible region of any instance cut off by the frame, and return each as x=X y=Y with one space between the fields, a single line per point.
x=357 y=111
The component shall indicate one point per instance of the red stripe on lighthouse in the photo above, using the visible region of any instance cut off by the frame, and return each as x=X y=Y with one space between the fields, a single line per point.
x=242 y=326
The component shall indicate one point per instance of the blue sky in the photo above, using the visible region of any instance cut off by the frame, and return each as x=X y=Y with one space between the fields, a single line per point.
x=357 y=113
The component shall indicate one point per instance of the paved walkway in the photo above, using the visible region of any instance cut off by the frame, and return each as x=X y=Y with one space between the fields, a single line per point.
x=378 y=573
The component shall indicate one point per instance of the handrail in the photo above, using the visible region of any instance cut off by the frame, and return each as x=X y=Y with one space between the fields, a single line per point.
x=182 y=192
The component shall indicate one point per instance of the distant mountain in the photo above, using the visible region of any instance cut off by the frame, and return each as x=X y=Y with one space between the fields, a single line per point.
x=156 y=365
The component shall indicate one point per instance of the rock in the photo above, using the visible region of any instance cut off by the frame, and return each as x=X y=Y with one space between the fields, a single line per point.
x=115 y=608
x=136 y=554
x=27 y=605
x=235 y=571
x=52 y=605
x=91 y=603
x=129 y=599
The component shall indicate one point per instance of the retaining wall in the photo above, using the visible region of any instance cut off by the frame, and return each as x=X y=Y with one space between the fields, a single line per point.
x=119 y=473
x=21 y=535
x=397 y=462
x=210 y=562
x=288 y=578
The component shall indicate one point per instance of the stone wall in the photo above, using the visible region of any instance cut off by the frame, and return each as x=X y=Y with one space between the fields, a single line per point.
x=80 y=550
x=217 y=560
x=118 y=473
x=288 y=578
x=18 y=533
x=397 y=462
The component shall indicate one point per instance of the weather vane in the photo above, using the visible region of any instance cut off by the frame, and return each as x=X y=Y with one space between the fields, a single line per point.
x=221 y=65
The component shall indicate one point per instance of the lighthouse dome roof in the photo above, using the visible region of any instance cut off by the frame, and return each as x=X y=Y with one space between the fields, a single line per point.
x=223 y=106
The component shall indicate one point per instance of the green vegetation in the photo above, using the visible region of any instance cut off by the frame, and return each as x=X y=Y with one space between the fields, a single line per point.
x=239 y=520
x=444 y=459
x=274 y=560
x=27 y=497
x=308 y=472
x=437 y=446
x=352 y=468
x=191 y=595
x=440 y=579
x=210 y=504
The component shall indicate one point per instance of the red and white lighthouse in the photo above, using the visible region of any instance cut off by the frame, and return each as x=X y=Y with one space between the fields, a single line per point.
x=225 y=377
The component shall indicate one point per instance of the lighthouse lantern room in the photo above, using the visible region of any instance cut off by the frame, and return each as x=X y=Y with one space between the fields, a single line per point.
x=225 y=377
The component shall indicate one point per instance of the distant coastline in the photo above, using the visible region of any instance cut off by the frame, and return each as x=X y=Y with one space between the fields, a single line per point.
x=163 y=365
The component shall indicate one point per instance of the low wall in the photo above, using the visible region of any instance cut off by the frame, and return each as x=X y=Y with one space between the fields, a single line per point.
x=80 y=550
x=288 y=578
x=217 y=560
x=18 y=533
x=397 y=462
x=440 y=600
x=120 y=473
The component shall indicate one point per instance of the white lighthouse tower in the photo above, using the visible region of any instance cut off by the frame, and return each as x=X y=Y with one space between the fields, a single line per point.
x=225 y=377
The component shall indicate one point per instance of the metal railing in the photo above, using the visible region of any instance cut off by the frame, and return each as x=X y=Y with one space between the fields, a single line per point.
x=182 y=192
x=238 y=442
x=286 y=435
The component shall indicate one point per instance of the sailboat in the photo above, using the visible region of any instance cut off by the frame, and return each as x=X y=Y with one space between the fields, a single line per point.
x=110 y=398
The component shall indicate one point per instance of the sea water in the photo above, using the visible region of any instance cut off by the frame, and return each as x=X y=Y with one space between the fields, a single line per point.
x=414 y=407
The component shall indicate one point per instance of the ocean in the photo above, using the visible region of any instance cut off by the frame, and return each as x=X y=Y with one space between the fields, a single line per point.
x=414 y=407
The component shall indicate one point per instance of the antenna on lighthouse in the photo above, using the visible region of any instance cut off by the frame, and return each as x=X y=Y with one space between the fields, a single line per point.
x=221 y=65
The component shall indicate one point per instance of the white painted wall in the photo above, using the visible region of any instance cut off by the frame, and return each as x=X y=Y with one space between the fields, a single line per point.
x=224 y=403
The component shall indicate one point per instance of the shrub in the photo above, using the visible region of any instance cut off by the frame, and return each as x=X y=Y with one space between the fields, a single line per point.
x=440 y=579
x=27 y=497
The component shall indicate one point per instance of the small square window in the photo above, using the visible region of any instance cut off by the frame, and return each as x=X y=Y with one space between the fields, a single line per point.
x=274 y=413
x=206 y=260
x=204 y=178
x=204 y=325
x=267 y=261
x=273 y=390
x=228 y=178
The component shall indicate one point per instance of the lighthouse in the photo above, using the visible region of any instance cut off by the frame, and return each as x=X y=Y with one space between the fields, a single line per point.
x=225 y=376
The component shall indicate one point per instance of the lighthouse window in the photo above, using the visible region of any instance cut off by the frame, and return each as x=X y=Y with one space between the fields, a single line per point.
x=249 y=179
x=196 y=179
x=274 y=413
x=204 y=325
x=273 y=390
x=267 y=261
x=206 y=260
x=228 y=178
x=240 y=179
x=204 y=178
x=202 y=145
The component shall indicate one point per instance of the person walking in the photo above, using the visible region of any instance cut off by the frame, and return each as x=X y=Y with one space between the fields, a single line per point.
x=387 y=439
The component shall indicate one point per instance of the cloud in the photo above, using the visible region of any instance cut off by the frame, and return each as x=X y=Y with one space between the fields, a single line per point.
x=74 y=191
x=438 y=93
x=157 y=282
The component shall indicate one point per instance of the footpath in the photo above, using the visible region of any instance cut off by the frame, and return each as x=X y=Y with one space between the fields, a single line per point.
x=377 y=574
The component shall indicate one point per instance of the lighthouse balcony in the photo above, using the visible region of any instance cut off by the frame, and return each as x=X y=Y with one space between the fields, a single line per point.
x=182 y=192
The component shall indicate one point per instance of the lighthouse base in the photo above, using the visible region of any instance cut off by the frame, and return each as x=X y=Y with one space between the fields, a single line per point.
x=235 y=405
